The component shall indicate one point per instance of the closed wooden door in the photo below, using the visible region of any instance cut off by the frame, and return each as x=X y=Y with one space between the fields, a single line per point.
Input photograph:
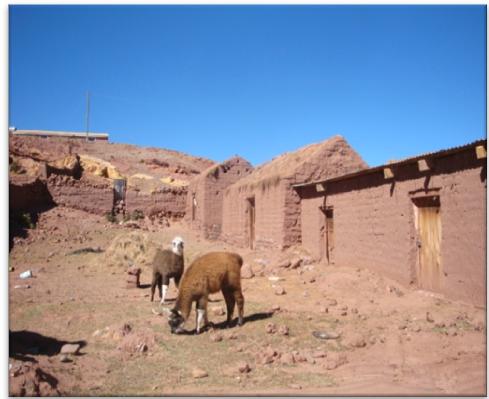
x=429 y=268
x=327 y=232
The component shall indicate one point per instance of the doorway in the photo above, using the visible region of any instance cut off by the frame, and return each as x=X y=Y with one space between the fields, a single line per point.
x=194 y=206
x=327 y=233
x=251 y=222
x=428 y=228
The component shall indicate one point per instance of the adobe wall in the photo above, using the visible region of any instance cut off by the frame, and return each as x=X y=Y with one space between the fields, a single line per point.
x=90 y=195
x=269 y=215
x=209 y=191
x=166 y=202
x=374 y=223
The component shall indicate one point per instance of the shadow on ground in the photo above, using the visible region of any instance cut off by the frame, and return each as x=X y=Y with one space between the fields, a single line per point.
x=23 y=344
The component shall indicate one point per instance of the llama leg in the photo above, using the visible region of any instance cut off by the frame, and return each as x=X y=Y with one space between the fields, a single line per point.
x=201 y=314
x=238 y=296
x=230 y=302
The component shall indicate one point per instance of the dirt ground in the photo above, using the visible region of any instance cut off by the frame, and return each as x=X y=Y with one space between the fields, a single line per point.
x=384 y=339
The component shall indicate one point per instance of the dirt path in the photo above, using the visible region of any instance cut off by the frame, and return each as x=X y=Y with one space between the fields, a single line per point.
x=391 y=340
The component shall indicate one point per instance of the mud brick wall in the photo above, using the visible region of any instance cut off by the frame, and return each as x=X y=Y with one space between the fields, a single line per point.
x=209 y=190
x=374 y=223
x=91 y=195
x=235 y=217
x=170 y=202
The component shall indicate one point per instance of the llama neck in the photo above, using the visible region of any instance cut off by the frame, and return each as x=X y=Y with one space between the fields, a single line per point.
x=184 y=304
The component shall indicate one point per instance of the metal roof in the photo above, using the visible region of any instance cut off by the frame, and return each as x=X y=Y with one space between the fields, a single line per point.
x=57 y=133
x=435 y=154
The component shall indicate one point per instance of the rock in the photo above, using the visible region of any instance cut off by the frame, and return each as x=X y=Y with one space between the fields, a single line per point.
x=324 y=309
x=429 y=317
x=243 y=367
x=216 y=337
x=283 y=330
x=354 y=340
x=440 y=324
x=275 y=308
x=271 y=328
x=354 y=310
x=295 y=386
x=199 y=373
x=231 y=335
x=218 y=311
x=332 y=302
x=452 y=331
x=70 y=349
x=312 y=280
x=287 y=359
x=402 y=326
x=65 y=358
x=246 y=271
x=295 y=263
x=336 y=360
x=279 y=290
x=416 y=329
x=299 y=357
x=319 y=354
x=284 y=264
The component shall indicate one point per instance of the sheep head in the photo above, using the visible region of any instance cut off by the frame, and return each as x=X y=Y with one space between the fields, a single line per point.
x=177 y=245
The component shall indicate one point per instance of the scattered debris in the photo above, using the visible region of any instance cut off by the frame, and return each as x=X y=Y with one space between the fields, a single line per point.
x=325 y=335
x=26 y=274
x=86 y=250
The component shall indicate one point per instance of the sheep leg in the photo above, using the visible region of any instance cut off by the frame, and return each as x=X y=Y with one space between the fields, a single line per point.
x=238 y=296
x=230 y=302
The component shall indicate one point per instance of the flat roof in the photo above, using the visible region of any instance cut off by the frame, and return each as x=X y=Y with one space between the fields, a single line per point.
x=436 y=154
x=57 y=133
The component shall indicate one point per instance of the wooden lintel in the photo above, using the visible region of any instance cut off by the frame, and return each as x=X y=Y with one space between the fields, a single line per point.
x=481 y=152
x=320 y=187
x=388 y=173
x=424 y=165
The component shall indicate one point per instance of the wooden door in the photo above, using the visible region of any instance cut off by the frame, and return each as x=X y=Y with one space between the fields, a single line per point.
x=251 y=222
x=429 y=268
x=327 y=233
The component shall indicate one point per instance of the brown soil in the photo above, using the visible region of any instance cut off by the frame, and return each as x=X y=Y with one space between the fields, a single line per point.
x=392 y=340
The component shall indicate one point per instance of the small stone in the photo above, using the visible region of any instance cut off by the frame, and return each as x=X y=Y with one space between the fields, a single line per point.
x=287 y=359
x=295 y=263
x=70 y=349
x=324 y=309
x=312 y=280
x=295 y=386
x=243 y=367
x=283 y=330
x=199 y=373
x=452 y=331
x=429 y=317
x=65 y=358
x=332 y=302
x=275 y=308
x=416 y=329
x=279 y=290
x=354 y=310
x=271 y=328
x=319 y=354
x=218 y=311
x=216 y=337
x=402 y=326
x=336 y=360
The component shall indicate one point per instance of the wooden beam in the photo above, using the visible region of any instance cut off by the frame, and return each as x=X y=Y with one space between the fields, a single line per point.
x=481 y=152
x=424 y=165
x=388 y=173
x=320 y=187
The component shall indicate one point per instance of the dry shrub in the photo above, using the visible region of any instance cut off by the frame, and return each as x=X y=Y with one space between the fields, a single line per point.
x=134 y=248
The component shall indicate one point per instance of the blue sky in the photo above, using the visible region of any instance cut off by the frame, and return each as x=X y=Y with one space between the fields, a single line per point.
x=215 y=81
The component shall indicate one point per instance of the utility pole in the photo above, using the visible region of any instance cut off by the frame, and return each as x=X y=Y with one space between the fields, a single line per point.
x=88 y=112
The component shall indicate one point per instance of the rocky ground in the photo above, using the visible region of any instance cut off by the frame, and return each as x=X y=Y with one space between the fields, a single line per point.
x=309 y=328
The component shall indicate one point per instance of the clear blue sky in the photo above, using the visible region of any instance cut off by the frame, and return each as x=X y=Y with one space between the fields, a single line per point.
x=215 y=81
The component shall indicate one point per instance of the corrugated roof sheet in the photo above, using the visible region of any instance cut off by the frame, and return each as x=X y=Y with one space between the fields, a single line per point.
x=436 y=154
x=57 y=133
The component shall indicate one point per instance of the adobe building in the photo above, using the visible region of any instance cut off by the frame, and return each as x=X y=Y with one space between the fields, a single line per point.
x=205 y=195
x=262 y=210
x=53 y=134
x=420 y=221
